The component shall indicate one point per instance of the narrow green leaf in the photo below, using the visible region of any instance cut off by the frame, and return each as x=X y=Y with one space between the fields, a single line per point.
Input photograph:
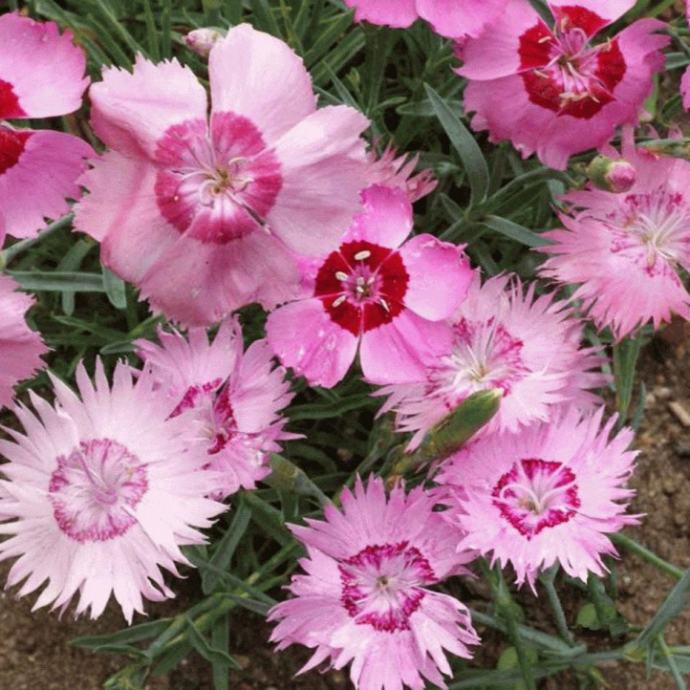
x=212 y=654
x=58 y=281
x=114 y=289
x=625 y=355
x=515 y=232
x=225 y=548
x=465 y=144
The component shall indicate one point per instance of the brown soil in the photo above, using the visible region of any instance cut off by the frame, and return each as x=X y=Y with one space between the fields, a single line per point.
x=34 y=654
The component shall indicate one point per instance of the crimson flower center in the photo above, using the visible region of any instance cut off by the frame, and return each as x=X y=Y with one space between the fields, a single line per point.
x=95 y=489
x=12 y=144
x=383 y=585
x=362 y=285
x=563 y=71
x=9 y=103
x=536 y=494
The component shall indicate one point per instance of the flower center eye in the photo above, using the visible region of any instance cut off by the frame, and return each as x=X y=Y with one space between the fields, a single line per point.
x=383 y=585
x=95 y=489
x=536 y=494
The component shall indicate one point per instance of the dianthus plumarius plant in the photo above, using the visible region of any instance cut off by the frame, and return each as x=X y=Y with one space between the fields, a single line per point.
x=334 y=309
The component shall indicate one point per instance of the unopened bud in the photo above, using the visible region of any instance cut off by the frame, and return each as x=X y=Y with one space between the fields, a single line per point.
x=202 y=40
x=612 y=175
x=452 y=432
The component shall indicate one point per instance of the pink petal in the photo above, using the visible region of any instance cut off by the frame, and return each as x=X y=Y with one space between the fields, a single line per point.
x=122 y=213
x=453 y=19
x=324 y=168
x=394 y=352
x=396 y=13
x=386 y=219
x=45 y=174
x=426 y=258
x=610 y=10
x=258 y=76
x=199 y=283
x=495 y=53
x=20 y=347
x=44 y=69
x=303 y=337
x=131 y=112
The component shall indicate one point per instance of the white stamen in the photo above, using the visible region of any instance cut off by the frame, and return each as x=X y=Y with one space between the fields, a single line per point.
x=340 y=275
x=337 y=302
x=384 y=304
x=364 y=254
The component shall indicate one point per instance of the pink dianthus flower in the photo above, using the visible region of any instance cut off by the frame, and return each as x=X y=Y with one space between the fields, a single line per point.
x=101 y=491
x=557 y=90
x=624 y=251
x=41 y=75
x=549 y=494
x=504 y=338
x=203 y=214
x=366 y=594
x=378 y=293
x=230 y=398
x=398 y=172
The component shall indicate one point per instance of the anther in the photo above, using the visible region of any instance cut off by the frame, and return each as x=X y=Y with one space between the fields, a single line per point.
x=361 y=256
x=384 y=304
x=341 y=275
x=337 y=302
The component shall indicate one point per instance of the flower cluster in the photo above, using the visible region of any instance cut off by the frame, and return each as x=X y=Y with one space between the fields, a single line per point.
x=208 y=203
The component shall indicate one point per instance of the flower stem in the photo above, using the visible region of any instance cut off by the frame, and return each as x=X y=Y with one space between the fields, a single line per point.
x=548 y=579
x=643 y=552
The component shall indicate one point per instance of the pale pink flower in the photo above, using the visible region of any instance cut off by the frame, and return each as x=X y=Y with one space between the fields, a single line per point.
x=102 y=490
x=41 y=75
x=449 y=18
x=399 y=172
x=202 y=214
x=20 y=347
x=504 y=338
x=685 y=81
x=548 y=494
x=366 y=597
x=625 y=250
x=560 y=89
x=230 y=398
x=378 y=293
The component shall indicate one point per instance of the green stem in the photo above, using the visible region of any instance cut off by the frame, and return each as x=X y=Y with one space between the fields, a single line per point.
x=548 y=579
x=506 y=608
x=643 y=552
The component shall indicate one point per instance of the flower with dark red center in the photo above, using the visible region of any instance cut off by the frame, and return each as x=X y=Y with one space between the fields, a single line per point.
x=366 y=594
x=99 y=493
x=625 y=252
x=230 y=400
x=376 y=292
x=41 y=75
x=228 y=199
x=560 y=88
x=504 y=338
x=550 y=493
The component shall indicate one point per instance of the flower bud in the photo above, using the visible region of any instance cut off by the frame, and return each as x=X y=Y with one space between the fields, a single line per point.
x=612 y=175
x=201 y=40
